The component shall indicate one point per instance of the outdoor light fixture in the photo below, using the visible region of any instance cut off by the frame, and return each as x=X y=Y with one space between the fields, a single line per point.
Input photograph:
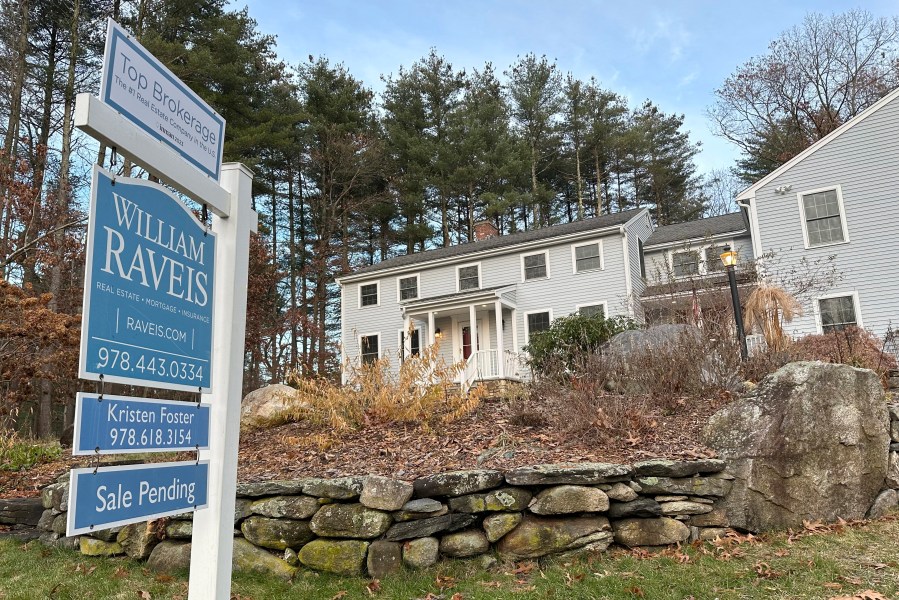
x=729 y=258
x=438 y=334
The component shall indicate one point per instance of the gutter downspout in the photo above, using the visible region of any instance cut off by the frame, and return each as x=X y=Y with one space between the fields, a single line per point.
x=754 y=235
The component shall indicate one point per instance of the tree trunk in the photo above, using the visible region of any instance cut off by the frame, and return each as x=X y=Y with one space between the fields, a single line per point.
x=62 y=197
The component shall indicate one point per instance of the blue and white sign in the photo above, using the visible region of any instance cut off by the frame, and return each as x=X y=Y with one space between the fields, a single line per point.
x=119 y=425
x=115 y=496
x=143 y=90
x=147 y=316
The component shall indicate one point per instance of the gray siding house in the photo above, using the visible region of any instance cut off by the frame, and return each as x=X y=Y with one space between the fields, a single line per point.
x=838 y=198
x=482 y=300
x=684 y=267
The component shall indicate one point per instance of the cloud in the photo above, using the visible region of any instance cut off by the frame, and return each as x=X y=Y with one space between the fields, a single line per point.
x=665 y=36
x=688 y=79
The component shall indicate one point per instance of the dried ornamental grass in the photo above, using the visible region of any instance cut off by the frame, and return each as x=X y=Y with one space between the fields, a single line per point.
x=422 y=390
x=768 y=307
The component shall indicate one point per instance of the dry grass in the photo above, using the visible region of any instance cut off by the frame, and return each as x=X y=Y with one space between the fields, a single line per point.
x=767 y=308
x=420 y=391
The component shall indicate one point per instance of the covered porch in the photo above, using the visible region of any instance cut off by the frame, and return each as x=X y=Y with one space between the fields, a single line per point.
x=477 y=326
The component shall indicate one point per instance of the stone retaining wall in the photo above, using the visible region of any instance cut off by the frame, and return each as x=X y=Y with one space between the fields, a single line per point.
x=375 y=525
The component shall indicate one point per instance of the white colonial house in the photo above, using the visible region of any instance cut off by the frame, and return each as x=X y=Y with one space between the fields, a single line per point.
x=838 y=198
x=481 y=301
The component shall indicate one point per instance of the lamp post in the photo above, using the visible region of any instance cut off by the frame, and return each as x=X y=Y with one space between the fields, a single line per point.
x=729 y=258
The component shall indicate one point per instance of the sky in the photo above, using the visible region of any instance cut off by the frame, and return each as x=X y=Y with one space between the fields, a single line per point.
x=675 y=53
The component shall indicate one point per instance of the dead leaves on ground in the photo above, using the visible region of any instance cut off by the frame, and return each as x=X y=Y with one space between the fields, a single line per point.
x=865 y=595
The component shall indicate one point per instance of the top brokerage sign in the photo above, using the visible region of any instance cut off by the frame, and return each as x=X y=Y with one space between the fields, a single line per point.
x=143 y=90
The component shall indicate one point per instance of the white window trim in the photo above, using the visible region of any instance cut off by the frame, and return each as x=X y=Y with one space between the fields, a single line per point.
x=602 y=256
x=380 y=344
x=378 y=284
x=802 y=219
x=399 y=338
x=703 y=258
x=545 y=253
x=858 y=309
x=604 y=304
x=417 y=286
x=480 y=276
x=527 y=332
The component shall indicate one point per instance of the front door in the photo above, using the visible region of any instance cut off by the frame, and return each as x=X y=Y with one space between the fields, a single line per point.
x=465 y=336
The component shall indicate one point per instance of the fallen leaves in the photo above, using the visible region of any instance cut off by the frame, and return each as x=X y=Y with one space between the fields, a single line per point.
x=865 y=595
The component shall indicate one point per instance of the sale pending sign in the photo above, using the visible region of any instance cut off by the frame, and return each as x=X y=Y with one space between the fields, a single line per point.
x=147 y=317
x=114 y=496
x=142 y=89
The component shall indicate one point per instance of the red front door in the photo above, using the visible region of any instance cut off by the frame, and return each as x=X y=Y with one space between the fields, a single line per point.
x=466 y=341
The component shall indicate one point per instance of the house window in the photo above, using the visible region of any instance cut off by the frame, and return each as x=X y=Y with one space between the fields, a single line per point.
x=587 y=257
x=469 y=278
x=370 y=346
x=713 y=262
x=592 y=310
x=368 y=294
x=536 y=322
x=414 y=342
x=534 y=266
x=823 y=218
x=837 y=313
x=408 y=288
x=685 y=263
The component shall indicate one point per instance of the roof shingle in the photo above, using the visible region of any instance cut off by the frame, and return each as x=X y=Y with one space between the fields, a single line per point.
x=691 y=230
x=493 y=243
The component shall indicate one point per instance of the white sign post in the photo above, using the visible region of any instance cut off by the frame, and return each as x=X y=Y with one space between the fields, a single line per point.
x=213 y=530
x=169 y=132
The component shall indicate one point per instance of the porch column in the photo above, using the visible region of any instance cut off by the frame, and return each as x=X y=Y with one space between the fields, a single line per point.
x=500 y=356
x=515 y=347
x=473 y=326
x=407 y=337
x=431 y=336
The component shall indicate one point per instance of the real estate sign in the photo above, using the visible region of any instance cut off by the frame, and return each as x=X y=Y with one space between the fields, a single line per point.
x=106 y=424
x=114 y=496
x=142 y=89
x=148 y=285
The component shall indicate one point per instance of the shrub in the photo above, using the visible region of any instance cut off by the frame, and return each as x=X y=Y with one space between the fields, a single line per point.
x=17 y=453
x=421 y=391
x=569 y=339
x=851 y=345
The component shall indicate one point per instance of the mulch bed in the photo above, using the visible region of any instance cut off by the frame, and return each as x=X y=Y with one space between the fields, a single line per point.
x=486 y=439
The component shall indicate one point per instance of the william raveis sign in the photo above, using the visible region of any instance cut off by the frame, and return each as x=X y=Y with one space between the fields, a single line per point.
x=147 y=316
x=142 y=89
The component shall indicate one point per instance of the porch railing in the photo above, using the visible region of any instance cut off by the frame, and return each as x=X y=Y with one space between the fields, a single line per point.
x=484 y=364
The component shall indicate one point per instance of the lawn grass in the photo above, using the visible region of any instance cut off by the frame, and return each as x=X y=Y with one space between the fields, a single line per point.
x=842 y=562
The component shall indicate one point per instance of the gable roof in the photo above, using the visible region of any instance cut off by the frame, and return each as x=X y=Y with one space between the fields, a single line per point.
x=502 y=241
x=701 y=228
x=749 y=192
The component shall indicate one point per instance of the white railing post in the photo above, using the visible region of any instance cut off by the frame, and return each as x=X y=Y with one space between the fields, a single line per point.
x=213 y=528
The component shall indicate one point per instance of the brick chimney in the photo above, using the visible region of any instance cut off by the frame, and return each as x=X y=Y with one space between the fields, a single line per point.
x=484 y=230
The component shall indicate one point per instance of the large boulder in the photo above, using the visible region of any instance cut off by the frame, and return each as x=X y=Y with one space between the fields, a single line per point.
x=658 y=337
x=268 y=406
x=809 y=443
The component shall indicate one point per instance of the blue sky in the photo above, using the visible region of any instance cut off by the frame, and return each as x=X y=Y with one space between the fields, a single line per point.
x=674 y=53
